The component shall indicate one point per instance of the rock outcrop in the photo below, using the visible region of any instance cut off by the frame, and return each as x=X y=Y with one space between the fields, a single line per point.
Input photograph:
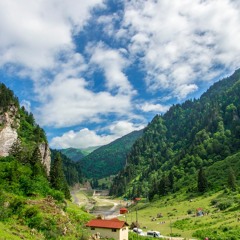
x=46 y=156
x=9 y=123
x=8 y=130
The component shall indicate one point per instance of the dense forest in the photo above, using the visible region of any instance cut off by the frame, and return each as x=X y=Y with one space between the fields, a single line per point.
x=180 y=147
x=73 y=153
x=29 y=195
x=72 y=170
x=109 y=159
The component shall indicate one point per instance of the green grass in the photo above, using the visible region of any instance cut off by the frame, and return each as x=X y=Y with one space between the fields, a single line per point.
x=175 y=219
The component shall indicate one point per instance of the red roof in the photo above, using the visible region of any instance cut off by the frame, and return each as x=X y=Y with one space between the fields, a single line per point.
x=137 y=199
x=103 y=223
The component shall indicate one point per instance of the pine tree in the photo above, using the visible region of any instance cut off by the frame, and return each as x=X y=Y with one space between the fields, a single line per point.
x=231 y=179
x=171 y=181
x=36 y=163
x=57 y=178
x=202 y=181
x=16 y=150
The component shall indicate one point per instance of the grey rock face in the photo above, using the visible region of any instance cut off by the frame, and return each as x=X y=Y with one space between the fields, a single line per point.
x=46 y=156
x=9 y=124
x=8 y=134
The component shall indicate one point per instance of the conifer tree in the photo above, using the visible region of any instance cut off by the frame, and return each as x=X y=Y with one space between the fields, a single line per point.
x=231 y=179
x=36 y=163
x=202 y=181
x=57 y=178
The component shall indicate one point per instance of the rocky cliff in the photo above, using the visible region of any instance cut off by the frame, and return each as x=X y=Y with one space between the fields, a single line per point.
x=8 y=130
x=9 y=124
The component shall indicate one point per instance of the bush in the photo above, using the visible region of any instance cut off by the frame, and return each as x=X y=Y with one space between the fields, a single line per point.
x=17 y=205
x=57 y=195
x=224 y=204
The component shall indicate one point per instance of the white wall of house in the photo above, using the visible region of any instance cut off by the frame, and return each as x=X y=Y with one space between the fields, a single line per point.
x=124 y=233
x=117 y=234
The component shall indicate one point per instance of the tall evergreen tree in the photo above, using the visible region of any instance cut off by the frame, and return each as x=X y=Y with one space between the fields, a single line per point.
x=202 y=181
x=57 y=178
x=36 y=163
x=231 y=179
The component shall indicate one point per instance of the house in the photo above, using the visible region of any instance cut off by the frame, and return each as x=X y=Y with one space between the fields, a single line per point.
x=123 y=210
x=111 y=228
x=199 y=212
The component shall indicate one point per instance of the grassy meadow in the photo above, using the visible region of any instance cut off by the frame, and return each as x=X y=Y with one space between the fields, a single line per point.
x=220 y=220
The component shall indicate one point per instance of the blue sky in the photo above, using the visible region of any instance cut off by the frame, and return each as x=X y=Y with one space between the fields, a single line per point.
x=93 y=71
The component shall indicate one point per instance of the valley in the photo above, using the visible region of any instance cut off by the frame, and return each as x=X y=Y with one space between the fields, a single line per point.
x=176 y=216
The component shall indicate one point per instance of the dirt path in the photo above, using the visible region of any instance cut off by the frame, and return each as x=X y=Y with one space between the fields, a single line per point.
x=97 y=205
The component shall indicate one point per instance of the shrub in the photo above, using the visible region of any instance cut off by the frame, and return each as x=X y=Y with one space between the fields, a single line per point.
x=57 y=195
x=224 y=204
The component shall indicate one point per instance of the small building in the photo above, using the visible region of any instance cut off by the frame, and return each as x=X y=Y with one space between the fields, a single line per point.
x=123 y=210
x=199 y=212
x=112 y=228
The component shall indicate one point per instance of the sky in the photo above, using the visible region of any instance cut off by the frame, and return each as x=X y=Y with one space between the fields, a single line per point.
x=93 y=71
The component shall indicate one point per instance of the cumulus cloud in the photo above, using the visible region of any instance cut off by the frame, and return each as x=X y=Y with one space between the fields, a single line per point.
x=33 y=33
x=88 y=138
x=180 y=43
x=150 y=107
x=26 y=104
x=113 y=63
x=67 y=100
x=121 y=128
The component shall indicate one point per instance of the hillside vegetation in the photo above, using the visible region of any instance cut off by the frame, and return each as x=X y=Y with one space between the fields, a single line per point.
x=193 y=136
x=109 y=159
x=73 y=153
x=33 y=201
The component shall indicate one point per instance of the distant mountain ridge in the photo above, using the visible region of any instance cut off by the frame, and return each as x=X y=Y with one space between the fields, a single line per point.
x=190 y=136
x=109 y=159
x=76 y=154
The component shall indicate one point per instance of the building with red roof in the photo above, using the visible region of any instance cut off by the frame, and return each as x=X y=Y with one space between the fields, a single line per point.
x=111 y=228
x=123 y=210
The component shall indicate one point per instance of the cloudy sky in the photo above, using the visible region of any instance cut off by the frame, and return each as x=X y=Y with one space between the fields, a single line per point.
x=93 y=71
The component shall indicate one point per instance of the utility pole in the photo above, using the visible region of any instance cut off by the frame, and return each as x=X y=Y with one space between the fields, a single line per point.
x=171 y=228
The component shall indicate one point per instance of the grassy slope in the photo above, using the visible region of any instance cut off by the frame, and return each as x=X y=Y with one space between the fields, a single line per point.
x=174 y=209
x=50 y=218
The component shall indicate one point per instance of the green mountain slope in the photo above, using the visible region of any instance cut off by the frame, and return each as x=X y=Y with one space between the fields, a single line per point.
x=188 y=137
x=76 y=154
x=73 y=153
x=32 y=199
x=109 y=159
x=72 y=170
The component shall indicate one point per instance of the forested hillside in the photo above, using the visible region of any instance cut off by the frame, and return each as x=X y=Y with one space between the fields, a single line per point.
x=72 y=170
x=73 y=153
x=109 y=159
x=197 y=134
x=32 y=196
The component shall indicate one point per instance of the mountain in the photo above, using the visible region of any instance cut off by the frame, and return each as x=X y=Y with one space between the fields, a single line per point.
x=76 y=154
x=197 y=134
x=32 y=190
x=17 y=126
x=109 y=159
x=73 y=153
x=71 y=169
x=87 y=151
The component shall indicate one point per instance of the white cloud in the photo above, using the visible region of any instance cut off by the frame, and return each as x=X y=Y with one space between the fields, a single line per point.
x=180 y=43
x=112 y=62
x=81 y=139
x=33 y=33
x=150 y=107
x=87 y=138
x=26 y=104
x=67 y=99
x=68 y=102
x=122 y=128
